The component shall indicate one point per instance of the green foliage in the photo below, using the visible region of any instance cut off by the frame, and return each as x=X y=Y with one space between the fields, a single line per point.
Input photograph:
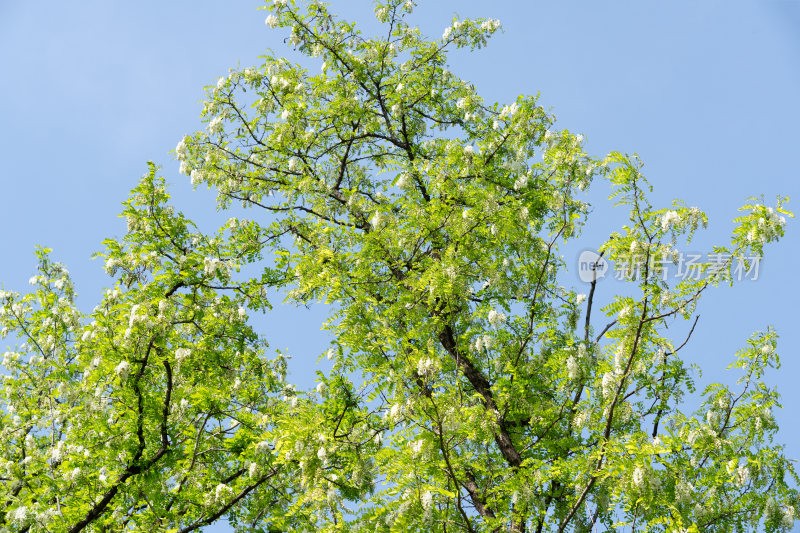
x=464 y=395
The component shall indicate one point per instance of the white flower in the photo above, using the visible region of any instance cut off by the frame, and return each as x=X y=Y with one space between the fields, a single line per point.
x=426 y=366
x=573 y=369
x=293 y=164
x=638 y=476
x=742 y=475
x=508 y=111
x=322 y=453
x=242 y=313
x=221 y=491
x=769 y=507
x=669 y=218
x=215 y=126
x=683 y=491
x=402 y=180
x=579 y=299
x=660 y=356
x=787 y=518
x=377 y=220
x=20 y=514
x=285 y=115
x=210 y=265
x=134 y=317
x=122 y=370
x=447 y=31
x=712 y=417
x=495 y=318
x=608 y=384
x=182 y=353
x=583 y=353
x=469 y=150
x=416 y=448
x=253 y=470
x=271 y=21
x=180 y=150
x=427 y=500
x=490 y=25
x=321 y=387
x=394 y=413
x=262 y=447
x=196 y=177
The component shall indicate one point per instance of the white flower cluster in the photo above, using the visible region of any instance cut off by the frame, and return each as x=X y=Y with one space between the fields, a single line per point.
x=742 y=476
x=490 y=25
x=112 y=264
x=20 y=515
x=508 y=111
x=395 y=412
x=123 y=370
x=181 y=151
x=427 y=505
x=573 y=368
x=767 y=227
x=495 y=318
x=787 y=516
x=644 y=478
x=211 y=265
x=483 y=341
x=221 y=491
x=271 y=21
x=426 y=366
x=670 y=218
x=137 y=317
x=683 y=492
x=660 y=355
x=609 y=384
x=522 y=179
x=639 y=477
x=215 y=125
x=713 y=418
x=403 y=180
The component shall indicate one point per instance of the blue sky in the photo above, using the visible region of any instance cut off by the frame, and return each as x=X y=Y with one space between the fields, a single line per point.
x=705 y=92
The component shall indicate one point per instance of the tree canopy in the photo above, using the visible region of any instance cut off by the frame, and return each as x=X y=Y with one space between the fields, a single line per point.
x=470 y=389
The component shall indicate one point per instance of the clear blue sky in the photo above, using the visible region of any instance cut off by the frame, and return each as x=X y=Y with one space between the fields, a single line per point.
x=705 y=92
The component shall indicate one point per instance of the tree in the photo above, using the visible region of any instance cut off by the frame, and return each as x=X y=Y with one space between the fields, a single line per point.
x=466 y=392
